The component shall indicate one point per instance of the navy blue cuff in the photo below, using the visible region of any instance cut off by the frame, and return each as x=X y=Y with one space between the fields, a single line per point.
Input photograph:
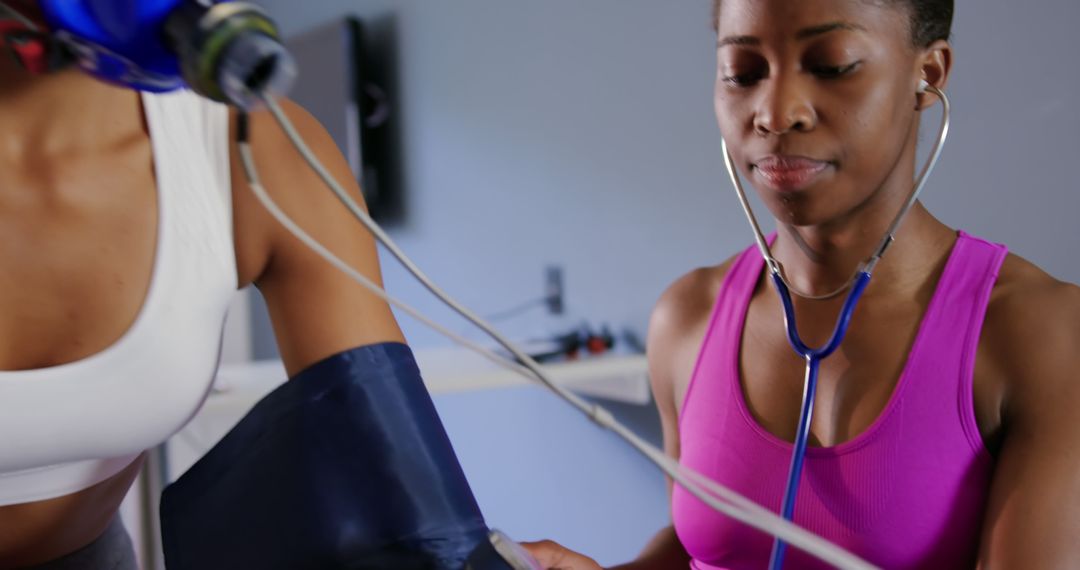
x=347 y=465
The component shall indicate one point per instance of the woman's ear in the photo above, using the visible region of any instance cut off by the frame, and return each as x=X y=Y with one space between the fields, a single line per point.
x=934 y=64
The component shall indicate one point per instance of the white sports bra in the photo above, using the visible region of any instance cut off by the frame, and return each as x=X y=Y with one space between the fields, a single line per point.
x=66 y=428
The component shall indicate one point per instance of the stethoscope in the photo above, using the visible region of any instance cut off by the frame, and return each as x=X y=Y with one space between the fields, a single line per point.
x=855 y=287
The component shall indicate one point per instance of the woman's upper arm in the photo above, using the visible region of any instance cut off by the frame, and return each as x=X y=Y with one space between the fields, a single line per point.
x=676 y=328
x=1033 y=513
x=659 y=347
x=316 y=310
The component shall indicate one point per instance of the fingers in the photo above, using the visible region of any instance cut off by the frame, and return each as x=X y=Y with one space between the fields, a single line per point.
x=553 y=556
x=546 y=552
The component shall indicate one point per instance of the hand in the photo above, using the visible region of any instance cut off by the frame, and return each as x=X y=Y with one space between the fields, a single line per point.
x=553 y=556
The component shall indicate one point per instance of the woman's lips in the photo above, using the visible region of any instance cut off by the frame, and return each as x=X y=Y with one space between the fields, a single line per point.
x=789 y=173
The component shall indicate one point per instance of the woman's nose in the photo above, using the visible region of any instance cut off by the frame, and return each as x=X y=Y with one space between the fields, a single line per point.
x=784 y=107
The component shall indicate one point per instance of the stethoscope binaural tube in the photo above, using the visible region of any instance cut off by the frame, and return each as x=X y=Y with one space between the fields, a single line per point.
x=855 y=286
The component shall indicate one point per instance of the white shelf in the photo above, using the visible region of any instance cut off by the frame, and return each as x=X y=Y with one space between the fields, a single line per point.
x=620 y=378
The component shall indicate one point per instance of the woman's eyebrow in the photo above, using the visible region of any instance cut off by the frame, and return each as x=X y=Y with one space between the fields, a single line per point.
x=803 y=34
x=815 y=31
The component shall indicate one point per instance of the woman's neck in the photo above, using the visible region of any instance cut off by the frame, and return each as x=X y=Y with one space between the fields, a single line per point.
x=51 y=114
x=820 y=259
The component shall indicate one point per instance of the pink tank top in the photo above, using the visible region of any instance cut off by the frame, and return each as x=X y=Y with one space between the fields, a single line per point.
x=909 y=492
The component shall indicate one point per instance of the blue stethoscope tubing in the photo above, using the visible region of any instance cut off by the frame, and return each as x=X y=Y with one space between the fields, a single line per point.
x=855 y=287
x=813 y=357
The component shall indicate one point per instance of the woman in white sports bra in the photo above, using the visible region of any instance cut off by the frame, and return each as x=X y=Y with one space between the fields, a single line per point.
x=126 y=226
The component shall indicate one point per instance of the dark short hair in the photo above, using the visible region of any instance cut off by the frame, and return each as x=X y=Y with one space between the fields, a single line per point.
x=931 y=20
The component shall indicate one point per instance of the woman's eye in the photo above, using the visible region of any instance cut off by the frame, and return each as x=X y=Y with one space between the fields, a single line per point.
x=743 y=79
x=833 y=71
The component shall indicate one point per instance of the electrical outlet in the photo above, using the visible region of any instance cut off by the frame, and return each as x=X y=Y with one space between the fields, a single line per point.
x=553 y=289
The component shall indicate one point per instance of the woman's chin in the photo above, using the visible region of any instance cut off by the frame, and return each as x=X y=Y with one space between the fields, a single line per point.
x=797 y=210
x=815 y=206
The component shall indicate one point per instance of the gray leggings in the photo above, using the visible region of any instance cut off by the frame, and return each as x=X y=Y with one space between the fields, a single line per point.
x=110 y=551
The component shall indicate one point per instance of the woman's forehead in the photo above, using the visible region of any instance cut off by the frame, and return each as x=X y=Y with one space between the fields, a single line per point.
x=786 y=19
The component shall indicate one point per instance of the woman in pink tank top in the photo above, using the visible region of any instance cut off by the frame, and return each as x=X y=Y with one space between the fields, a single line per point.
x=944 y=433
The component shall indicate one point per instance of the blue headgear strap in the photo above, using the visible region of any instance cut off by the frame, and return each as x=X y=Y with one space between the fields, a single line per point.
x=120 y=41
x=227 y=51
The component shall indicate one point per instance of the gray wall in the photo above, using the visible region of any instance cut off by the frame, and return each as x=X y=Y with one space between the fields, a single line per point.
x=580 y=132
x=1007 y=173
x=577 y=133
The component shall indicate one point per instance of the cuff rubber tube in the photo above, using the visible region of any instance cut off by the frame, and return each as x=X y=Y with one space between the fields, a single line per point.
x=347 y=465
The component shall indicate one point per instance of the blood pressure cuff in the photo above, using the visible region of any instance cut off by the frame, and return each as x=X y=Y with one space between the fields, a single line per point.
x=347 y=465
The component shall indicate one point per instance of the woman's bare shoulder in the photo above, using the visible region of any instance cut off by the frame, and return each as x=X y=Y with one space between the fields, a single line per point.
x=688 y=300
x=1025 y=295
x=677 y=328
x=1032 y=327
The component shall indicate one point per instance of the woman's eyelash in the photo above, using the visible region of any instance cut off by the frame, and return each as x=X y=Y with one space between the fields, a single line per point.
x=743 y=79
x=833 y=71
x=823 y=71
